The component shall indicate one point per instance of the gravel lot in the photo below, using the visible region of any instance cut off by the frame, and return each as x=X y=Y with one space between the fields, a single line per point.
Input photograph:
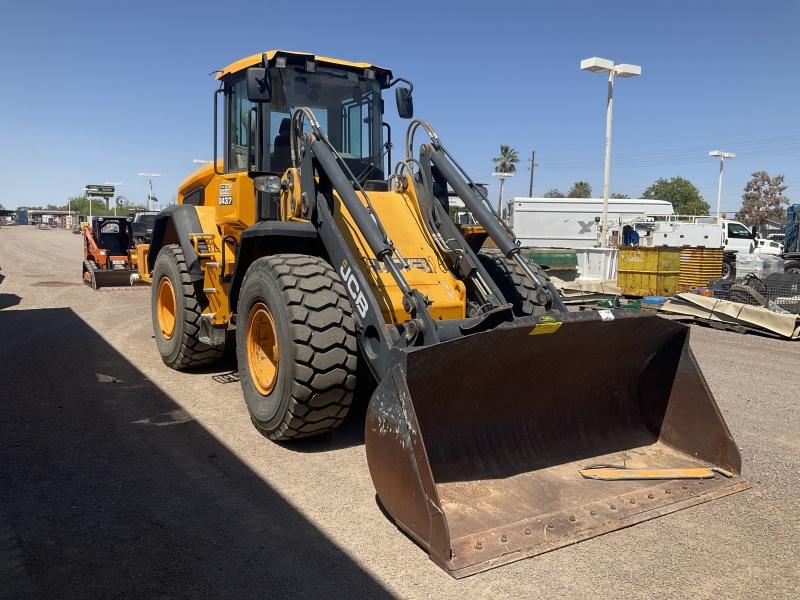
x=156 y=485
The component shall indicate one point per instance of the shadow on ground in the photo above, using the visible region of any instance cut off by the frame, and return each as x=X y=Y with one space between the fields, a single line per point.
x=112 y=490
x=9 y=300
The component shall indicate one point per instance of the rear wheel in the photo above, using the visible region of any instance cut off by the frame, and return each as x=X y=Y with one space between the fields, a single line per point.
x=515 y=285
x=792 y=266
x=729 y=269
x=296 y=346
x=176 y=306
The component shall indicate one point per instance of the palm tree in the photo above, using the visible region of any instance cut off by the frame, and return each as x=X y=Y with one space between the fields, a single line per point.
x=506 y=163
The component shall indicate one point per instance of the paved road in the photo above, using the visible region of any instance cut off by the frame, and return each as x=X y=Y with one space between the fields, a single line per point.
x=121 y=478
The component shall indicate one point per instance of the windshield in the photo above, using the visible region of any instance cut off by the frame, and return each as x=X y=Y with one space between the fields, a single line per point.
x=347 y=106
x=147 y=219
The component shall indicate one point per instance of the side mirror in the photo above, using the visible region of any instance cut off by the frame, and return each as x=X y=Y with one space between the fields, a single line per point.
x=259 y=86
x=755 y=232
x=405 y=103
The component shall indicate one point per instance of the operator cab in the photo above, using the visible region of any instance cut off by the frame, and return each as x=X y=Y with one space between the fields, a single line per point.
x=113 y=234
x=344 y=97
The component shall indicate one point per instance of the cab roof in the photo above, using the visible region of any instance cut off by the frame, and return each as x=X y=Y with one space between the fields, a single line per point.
x=271 y=55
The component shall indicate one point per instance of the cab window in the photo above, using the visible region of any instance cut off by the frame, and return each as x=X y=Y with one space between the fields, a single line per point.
x=238 y=115
x=739 y=232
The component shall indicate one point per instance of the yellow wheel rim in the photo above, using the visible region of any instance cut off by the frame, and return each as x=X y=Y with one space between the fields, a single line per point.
x=166 y=308
x=262 y=348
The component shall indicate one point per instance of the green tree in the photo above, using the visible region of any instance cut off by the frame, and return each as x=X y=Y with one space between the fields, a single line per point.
x=763 y=199
x=80 y=205
x=554 y=193
x=684 y=196
x=580 y=189
x=619 y=196
x=506 y=163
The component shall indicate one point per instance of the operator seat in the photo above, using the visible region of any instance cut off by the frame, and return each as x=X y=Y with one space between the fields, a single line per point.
x=281 y=155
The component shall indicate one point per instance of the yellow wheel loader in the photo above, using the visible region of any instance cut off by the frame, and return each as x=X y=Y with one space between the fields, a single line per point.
x=502 y=425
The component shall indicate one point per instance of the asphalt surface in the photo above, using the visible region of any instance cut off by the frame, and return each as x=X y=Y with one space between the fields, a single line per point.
x=122 y=478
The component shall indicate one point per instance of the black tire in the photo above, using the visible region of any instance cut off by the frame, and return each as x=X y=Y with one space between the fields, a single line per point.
x=746 y=295
x=515 y=286
x=89 y=267
x=183 y=350
x=728 y=269
x=317 y=349
x=792 y=266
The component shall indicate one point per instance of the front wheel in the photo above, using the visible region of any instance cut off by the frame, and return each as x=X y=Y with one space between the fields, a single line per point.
x=88 y=274
x=295 y=346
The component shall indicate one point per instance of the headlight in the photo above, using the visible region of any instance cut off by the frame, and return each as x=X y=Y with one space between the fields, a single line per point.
x=269 y=184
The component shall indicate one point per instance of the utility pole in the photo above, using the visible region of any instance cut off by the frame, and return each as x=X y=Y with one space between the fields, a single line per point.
x=534 y=164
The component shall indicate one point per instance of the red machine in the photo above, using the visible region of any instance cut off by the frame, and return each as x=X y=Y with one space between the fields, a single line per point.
x=109 y=256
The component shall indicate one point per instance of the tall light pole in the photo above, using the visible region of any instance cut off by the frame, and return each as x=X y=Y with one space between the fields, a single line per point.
x=602 y=65
x=722 y=156
x=69 y=210
x=150 y=177
x=116 y=184
x=502 y=177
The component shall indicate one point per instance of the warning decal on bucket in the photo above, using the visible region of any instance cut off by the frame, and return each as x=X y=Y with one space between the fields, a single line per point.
x=548 y=327
x=606 y=315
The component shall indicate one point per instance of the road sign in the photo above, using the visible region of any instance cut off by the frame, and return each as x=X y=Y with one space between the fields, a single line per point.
x=102 y=191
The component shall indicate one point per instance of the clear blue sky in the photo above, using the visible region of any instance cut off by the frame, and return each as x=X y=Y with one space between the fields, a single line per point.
x=97 y=92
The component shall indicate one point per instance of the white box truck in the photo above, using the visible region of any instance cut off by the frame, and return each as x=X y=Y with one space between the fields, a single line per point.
x=573 y=222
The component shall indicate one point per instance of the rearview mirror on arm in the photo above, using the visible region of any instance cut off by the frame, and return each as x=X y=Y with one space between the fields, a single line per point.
x=405 y=103
x=259 y=86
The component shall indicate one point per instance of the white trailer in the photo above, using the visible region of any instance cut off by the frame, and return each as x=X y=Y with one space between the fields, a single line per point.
x=573 y=222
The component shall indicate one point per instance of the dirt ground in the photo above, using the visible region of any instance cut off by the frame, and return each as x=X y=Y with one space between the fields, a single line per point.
x=122 y=478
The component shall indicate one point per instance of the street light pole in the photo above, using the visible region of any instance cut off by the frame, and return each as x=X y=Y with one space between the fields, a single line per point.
x=597 y=65
x=607 y=166
x=150 y=193
x=116 y=184
x=722 y=156
x=502 y=177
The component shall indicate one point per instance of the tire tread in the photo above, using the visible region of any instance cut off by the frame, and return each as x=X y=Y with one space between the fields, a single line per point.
x=321 y=324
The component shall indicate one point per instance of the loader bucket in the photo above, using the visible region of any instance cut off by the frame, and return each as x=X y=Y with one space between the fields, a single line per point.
x=113 y=277
x=475 y=445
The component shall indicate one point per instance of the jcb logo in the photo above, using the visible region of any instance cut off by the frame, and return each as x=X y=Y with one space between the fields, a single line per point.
x=351 y=283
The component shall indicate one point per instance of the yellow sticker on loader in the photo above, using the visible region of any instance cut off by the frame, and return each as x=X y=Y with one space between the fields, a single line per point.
x=550 y=327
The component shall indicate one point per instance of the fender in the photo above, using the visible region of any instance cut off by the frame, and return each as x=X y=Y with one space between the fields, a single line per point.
x=173 y=225
x=271 y=237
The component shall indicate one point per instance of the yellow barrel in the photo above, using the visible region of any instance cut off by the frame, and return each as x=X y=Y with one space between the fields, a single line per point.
x=648 y=271
x=699 y=266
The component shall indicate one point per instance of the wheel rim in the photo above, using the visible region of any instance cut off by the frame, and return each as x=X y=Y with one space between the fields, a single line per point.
x=166 y=308
x=262 y=348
